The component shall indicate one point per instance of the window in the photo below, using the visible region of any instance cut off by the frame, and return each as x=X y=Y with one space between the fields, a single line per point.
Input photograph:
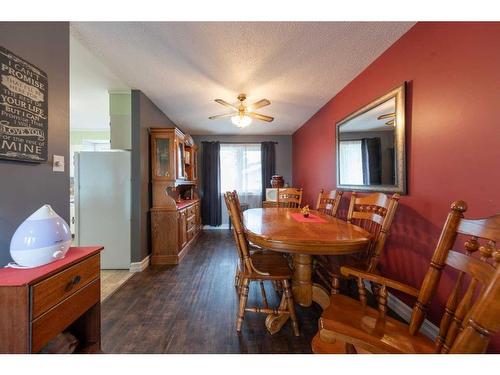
x=351 y=162
x=241 y=170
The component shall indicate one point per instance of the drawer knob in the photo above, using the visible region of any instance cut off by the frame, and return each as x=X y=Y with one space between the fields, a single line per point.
x=74 y=281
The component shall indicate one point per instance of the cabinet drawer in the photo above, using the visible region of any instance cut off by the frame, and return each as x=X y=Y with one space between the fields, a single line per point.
x=191 y=225
x=190 y=233
x=53 y=290
x=191 y=210
x=57 y=319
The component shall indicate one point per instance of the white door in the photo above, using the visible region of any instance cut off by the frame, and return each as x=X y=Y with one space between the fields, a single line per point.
x=103 y=198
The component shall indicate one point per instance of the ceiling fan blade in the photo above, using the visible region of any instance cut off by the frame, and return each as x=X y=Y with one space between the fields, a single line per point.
x=226 y=104
x=387 y=115
x=258 y=116
x=222 y=116
x=390 y=123
x=261 y=103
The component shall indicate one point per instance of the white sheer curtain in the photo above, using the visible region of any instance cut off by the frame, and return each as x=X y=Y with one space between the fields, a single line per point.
x=351 y=162
x=241 y=170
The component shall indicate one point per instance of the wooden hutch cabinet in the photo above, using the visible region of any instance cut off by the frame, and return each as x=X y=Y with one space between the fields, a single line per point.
x=175 y=212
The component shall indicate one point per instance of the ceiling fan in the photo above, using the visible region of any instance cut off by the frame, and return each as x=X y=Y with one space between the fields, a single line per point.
x=243 y=114
x=392 y=116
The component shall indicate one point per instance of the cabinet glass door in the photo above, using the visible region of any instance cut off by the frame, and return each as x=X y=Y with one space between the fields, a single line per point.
x=163 y=157
x=180 y=161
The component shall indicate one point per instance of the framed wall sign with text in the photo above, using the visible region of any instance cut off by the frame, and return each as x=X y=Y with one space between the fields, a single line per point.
x=23 y=109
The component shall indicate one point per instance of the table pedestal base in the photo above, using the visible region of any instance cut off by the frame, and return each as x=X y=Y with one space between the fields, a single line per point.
x=305 y=292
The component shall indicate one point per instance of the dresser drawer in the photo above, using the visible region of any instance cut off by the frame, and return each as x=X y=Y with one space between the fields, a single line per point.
x=57 y=319
x=191 y=210
x=53 y=290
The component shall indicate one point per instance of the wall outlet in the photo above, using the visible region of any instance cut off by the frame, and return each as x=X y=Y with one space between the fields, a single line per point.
x=58 y=164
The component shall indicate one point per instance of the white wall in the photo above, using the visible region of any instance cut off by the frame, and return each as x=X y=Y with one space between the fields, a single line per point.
x=90 y=82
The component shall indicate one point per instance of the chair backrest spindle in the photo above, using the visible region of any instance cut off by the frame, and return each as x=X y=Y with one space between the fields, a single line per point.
x=374 y=213
x=289 y=197
x=328 y=203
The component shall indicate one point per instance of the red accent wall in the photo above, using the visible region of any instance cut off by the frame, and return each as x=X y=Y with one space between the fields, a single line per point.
x=453 y=136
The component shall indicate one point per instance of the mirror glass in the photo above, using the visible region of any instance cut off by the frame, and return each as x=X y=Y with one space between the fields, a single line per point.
x=370 y=146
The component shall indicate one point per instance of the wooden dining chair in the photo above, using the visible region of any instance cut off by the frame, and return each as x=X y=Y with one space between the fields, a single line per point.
x=374 y=213
x=471 y=314
x=289 y=197
x=252 y=247
x=260 y=266
x=328 y=202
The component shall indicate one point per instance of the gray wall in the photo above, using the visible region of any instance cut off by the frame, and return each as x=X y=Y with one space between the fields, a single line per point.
x=24 y=187
x=145 y=114
x=283 y=154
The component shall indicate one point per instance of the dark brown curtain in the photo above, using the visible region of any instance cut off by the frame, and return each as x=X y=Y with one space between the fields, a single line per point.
x=372 y=162
x=211 y=213
x=268 y=161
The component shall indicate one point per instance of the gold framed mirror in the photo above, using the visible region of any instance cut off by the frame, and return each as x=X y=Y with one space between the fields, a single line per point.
x=370 y=146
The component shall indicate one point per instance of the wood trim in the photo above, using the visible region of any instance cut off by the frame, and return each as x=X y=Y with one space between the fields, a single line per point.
x=140 y=266
x=173 y=259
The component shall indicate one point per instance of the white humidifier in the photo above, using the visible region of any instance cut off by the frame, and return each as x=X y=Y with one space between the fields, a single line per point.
x=42 y=238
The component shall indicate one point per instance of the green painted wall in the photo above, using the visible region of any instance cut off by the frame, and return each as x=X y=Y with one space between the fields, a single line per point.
x=78 y=136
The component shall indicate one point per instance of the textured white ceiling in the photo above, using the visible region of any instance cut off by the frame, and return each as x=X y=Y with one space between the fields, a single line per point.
x=184 y=66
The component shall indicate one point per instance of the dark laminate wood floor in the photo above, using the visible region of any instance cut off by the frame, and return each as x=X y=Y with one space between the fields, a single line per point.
x=191 y=308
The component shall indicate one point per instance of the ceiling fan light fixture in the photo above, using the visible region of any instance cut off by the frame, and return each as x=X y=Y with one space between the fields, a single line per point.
x=241 y=121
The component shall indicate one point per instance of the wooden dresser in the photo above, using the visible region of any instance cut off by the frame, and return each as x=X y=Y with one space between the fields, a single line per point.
x=175 y=212
x=39 y=303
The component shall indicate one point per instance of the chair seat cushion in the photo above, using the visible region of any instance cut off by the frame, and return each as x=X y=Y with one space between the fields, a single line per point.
x=272 y=263
x=362 y=326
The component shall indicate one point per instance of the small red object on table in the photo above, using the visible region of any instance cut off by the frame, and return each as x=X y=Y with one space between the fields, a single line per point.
x=310 y=219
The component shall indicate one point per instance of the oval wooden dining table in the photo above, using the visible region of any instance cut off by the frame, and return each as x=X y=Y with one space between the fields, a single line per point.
x=285 y=230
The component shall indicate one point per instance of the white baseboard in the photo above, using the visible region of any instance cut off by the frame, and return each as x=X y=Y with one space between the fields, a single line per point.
x=209 y=227
x=140 y=266
x=404 y=311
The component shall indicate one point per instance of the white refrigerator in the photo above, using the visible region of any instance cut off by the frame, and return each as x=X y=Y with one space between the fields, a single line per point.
x=102 y=204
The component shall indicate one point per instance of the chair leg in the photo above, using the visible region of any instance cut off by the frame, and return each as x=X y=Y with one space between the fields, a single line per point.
x=350 y=349
x=264 y=297
x=291 y=307
x=335 y=284
x=243 y=304
x=237 y=277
